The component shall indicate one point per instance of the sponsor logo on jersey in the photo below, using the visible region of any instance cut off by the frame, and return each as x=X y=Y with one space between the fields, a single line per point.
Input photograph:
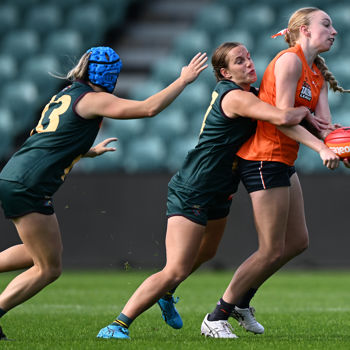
x=305 y=92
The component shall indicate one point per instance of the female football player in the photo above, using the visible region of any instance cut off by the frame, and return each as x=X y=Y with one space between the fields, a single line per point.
x=297 y=76
x=65 y=132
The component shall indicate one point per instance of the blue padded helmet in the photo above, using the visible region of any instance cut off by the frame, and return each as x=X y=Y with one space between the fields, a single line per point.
x=104 y=67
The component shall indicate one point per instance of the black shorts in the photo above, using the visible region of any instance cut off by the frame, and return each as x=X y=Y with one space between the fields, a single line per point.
x=198 y=206
x=262 y=175
x=18 y=200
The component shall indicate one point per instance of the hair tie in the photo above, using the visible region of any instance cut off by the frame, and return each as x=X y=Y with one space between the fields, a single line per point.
x=280 y=33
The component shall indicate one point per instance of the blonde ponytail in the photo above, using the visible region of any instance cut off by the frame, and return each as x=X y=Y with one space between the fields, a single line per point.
x=328 y=76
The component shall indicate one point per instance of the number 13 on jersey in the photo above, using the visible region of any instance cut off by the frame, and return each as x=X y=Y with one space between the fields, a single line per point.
x=49 y=122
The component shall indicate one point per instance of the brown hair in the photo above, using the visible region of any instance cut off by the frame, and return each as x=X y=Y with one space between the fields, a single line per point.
x=219 y=58
x=302 y=17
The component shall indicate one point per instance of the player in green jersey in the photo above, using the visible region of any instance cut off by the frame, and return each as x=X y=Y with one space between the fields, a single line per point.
x=200 y=194
x=65 y=132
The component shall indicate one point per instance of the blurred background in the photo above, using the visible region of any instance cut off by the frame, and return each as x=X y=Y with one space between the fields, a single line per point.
x=155 y=39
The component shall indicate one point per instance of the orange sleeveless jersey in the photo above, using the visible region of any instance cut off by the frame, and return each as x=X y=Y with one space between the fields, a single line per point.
x=268 y=143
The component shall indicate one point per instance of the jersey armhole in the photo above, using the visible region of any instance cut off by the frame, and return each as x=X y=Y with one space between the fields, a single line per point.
x=77 y=114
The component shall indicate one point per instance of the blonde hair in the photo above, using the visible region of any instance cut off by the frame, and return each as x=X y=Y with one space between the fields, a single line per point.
x=80 y=71
x=219 y=58
x=302 y=17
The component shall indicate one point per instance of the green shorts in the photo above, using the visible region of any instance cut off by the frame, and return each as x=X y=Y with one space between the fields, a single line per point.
x=197 y=206
x=18 y=200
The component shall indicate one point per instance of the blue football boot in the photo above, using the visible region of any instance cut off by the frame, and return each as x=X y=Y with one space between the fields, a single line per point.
x=169 y=312
x=114 y=331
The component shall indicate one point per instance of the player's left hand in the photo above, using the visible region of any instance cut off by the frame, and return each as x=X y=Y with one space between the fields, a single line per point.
x=101 y=148
x=316 y=122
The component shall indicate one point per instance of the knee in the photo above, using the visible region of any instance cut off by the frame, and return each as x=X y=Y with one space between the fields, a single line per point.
x=176 y=275
x=51 y=273
x=272 y=257
x=299 y=247
x=276 y=257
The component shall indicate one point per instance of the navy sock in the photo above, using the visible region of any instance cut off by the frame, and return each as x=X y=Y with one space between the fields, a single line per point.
x=123 y=320
x=2 y=312
x=169 y=294
x=222 y=311
x=244 y=302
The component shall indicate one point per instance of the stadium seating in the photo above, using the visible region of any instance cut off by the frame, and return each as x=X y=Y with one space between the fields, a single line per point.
x=168 y=124
x=89 y=21
x=124 y=130
x=214 y=19
x=66 y=45
x=37 y=37
x=44 y=19
x=37 y=69
x=146 y=153
x=20 y=44
x=191 y=42
x=8 y=68
x=20 y=97
x=178 y=149
x=168 y=69
x=238 y=35
x=260 y=16
x=9 y=18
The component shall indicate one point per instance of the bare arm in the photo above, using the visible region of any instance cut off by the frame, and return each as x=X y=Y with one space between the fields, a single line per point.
x=300 y=134
x=322 y=111
x=107 y=105
x=246 y=104
x=287 y=72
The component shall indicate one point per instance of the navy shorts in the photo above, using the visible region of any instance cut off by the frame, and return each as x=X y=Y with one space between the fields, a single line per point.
x=18 y=200
x=198 y=206
x=262 y=175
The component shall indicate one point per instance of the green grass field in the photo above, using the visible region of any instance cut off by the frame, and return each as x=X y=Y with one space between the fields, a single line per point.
x=300 y=310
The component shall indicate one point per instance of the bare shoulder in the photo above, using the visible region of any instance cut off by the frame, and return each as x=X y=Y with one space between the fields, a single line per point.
x=288 y=62
x=89 y=105
x=235 y=96
x=235 y=102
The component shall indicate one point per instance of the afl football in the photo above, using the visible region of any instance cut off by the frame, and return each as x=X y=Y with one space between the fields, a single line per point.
x=339 y=142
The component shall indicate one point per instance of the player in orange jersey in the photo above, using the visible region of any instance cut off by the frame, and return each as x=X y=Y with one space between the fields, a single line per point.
x=297 y=76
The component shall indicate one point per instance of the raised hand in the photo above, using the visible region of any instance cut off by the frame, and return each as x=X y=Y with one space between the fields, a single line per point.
x=190 y=72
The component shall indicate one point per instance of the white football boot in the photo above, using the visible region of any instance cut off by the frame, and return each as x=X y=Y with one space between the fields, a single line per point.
x=217 y=329
x=246 y=319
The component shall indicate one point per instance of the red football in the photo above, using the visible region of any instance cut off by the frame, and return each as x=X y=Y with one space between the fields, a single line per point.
x=339 y=142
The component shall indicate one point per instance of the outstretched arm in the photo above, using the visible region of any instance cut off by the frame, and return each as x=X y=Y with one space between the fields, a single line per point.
x=300 y=134
x=107 y=105
x=238 y=103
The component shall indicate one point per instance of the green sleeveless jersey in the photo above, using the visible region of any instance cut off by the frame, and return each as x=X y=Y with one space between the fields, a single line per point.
x=59 y=140
x=210 y=166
